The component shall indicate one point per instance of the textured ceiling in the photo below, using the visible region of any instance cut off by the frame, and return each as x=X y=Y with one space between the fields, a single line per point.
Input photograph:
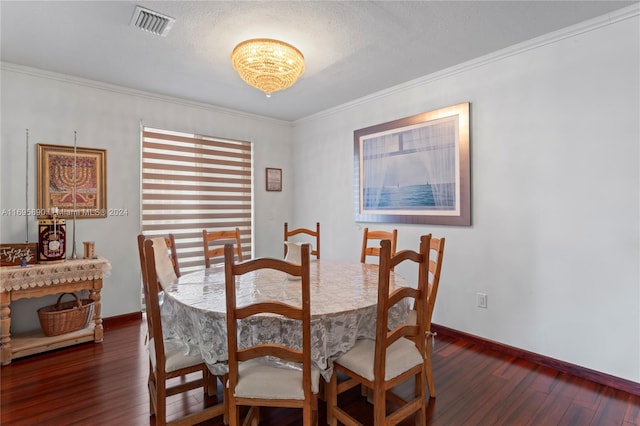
x=351 y=48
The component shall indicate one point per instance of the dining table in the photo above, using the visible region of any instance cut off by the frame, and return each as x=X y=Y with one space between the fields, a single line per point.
x=344 y=299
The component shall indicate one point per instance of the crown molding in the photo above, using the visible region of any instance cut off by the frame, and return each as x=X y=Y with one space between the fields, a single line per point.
x=499 y=55
x=70 y=79
x=553 y=37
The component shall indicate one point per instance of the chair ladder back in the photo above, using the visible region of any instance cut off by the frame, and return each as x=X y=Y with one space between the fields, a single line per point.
x=315 y=250
x=219 y=239
x=171 y=247
x=170 y=240
x=436 y=255
x=300 y=313
x=385 y=336
x=159 y=374
x=152 y=305
x=403 y=345
x=435 y=266
x=374 y=250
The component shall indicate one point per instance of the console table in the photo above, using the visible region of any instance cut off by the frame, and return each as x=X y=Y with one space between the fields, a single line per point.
x=40 y=280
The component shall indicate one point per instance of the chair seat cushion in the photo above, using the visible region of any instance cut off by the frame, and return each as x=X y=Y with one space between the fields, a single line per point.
x=174 y=356
x=258 y=379
x=401 y=356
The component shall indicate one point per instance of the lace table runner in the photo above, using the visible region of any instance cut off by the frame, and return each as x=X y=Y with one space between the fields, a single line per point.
x=47 y=274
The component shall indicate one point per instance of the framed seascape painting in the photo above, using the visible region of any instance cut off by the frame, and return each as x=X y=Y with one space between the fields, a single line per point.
x=415 y=169
x=73 y=180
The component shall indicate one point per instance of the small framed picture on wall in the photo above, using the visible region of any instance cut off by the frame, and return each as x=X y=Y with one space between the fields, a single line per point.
x=274 y=179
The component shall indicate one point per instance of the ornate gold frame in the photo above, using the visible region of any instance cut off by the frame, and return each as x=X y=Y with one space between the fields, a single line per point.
x=63 y=175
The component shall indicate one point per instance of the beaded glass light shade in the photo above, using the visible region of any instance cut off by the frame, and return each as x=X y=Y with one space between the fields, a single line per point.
x=268 y=65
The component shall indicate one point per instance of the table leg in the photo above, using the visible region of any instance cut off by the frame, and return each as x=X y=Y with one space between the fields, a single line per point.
x=97 y=313
x=5 y=327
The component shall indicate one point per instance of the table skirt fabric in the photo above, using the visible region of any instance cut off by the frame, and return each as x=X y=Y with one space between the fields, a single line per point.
x=206 y=334
x=343 y=305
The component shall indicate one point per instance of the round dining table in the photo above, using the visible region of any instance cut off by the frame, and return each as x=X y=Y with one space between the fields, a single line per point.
x=344 y=298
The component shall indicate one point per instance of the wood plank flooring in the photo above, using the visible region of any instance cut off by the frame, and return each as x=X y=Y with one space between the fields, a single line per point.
x=106 y=384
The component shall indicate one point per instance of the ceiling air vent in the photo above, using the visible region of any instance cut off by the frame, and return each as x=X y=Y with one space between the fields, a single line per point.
x=153 y=22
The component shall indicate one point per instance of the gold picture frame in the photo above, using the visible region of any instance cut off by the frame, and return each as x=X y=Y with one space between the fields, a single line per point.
x=72 y=180
x=415 y=169
x=274 y=179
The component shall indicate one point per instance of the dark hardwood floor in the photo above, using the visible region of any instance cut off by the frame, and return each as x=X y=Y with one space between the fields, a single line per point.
x=106 y=384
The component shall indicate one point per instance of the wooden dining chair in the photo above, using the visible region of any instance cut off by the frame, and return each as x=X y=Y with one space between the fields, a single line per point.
x=218 y=240
x=396 y=354
x=170 y=241
x=305 y=231
x=253 y=380
x=166 y=358
x=436 y=253
x=166 y=257
x=369 y=249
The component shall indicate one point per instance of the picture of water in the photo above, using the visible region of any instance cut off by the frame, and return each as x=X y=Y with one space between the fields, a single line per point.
x=431 y=196
x=411 y=170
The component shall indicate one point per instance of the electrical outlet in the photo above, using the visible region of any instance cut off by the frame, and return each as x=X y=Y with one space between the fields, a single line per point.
x=481 y=299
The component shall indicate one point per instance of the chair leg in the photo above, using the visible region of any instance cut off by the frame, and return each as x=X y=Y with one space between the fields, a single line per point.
x=322 y=390
x=429 y=373
x=307 y=416
x=255 y=421
x=234 y=412
x=225 y=395
x=314 y=412
x=253 y=417
x=421 y=415
x=161 y=404
x=152 y=403
x=210 y=382
x=332 y=399
x=379 y=406
x=151 y=387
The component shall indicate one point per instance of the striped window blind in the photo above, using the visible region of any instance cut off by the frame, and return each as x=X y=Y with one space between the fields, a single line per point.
x=192 y=182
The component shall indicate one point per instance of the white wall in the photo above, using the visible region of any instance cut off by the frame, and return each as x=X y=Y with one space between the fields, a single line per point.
x=52 y=106
x=555 y=193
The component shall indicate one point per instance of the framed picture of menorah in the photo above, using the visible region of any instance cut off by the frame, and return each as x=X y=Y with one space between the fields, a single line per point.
x=72 y=181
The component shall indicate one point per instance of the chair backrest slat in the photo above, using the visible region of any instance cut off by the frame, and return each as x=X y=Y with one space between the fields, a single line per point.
x=315 y=251
x=374 y=250
x=235 y=313
x=385 y=336
x=436 y=255
x=170 y=240
x=218 y=239
x=151 y=288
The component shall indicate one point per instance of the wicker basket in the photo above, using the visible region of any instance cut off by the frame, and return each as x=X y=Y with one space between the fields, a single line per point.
x=65 y=317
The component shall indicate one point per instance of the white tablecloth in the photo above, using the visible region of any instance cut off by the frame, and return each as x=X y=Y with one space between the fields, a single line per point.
x=343 y=309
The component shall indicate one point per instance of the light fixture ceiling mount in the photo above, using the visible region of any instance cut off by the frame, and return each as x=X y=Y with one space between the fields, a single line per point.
x=268 y=65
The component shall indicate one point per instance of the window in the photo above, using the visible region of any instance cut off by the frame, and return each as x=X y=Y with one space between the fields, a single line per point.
x=192 y=182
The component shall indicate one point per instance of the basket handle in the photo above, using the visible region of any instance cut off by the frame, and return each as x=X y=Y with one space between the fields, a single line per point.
x=78 y=304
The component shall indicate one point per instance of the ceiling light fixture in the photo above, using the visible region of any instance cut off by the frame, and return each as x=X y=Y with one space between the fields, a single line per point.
x=268 y=65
